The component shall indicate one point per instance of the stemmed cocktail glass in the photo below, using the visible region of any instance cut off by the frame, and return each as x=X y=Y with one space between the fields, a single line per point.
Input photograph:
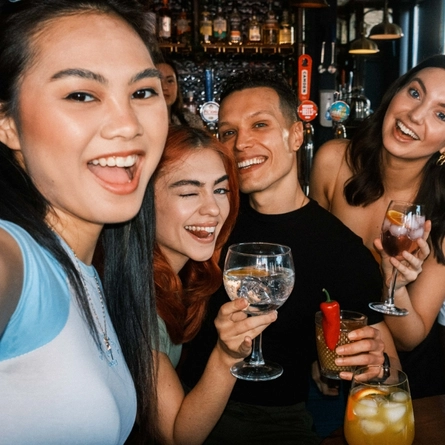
x=402 y=226
x=264 y=274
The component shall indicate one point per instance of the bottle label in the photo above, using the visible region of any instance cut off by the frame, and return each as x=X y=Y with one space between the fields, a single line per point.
x=206 y=28
x=182 y=26
x=254 y=34
x=235 y=36
x=285 y=36
x=220 y=28
x=165 y=27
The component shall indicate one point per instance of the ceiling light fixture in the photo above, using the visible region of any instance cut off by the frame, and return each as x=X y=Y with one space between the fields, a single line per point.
x=362 y=45
x=386 y=30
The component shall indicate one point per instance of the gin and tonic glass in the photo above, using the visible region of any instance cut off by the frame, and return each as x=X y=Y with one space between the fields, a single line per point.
x=264 y=274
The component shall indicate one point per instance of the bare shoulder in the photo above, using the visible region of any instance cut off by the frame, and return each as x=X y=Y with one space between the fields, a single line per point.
x=11 y=277
x=332 y=151
x=327 y=164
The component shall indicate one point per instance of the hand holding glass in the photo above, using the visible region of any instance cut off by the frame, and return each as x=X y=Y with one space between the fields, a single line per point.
x=264 y=274
x=349 y=321
x=402 y=226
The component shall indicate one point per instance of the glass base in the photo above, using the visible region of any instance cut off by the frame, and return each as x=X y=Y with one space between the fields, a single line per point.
x=256 y=373
x=388 y=310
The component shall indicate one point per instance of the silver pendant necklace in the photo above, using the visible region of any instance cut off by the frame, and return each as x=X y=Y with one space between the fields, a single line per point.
x=103 y=329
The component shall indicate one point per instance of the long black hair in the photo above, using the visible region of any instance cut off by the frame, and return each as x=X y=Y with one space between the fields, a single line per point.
x=128 y=247
x=364 y=158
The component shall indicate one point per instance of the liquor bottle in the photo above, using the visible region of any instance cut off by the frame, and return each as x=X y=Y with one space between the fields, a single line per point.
x=183 y=30
x=164 y=22
x=285 y=35
x=190 y=103
x=219 y=25
x=270 y=27
x=235 y=36
x=254 y=34
x=206 y=26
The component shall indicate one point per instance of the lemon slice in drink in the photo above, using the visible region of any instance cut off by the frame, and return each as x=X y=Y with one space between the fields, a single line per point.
x=358 y=395
x=395 y=217
x=367 y=392
x=249 y=272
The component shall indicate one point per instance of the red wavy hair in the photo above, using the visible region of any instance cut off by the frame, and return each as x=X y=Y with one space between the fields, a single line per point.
x=181 y=301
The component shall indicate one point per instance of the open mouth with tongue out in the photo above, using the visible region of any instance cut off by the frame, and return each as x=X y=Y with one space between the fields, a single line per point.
x=114 y=169
x=201 y=232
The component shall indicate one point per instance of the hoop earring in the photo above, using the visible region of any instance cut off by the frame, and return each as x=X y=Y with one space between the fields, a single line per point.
x=441 y=159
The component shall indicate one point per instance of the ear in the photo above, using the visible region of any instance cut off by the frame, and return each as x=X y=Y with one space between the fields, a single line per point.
x=8 y=132
x=296 y=136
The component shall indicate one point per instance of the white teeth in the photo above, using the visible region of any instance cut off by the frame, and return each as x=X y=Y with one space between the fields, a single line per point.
x=120 y=162
x=116 y=161
x=200 y=229
x=250 y=162
x=405 y=130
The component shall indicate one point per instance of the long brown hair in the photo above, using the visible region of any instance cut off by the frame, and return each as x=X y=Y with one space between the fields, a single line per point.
x=182 y=300
x=364 y=158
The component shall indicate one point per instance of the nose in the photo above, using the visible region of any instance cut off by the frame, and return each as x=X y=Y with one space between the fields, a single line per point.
x=209 y=205
x=417 y=114
x=121 y=121
x=243 y=140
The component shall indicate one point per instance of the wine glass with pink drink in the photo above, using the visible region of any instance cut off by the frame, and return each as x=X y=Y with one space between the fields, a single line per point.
x=403 y=225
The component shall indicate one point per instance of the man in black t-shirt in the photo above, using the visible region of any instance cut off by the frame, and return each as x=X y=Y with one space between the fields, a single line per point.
x=258 y=120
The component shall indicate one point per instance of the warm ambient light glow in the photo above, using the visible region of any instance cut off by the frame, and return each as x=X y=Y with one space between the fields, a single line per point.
x=309 y=3
x=363 y=46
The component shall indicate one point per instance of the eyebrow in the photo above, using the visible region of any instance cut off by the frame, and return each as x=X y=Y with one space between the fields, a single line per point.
x=196 y=183
x=90 y=75
x=251 y=116
x=420 y=82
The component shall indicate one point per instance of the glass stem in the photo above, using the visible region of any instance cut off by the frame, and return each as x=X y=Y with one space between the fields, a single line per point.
x=256 y=358
x=390 y=300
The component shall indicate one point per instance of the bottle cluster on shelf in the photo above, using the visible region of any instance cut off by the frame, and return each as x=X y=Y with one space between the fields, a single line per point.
x=226 y=23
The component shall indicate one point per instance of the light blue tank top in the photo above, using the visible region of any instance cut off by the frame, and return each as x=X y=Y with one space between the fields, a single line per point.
x=56 y=386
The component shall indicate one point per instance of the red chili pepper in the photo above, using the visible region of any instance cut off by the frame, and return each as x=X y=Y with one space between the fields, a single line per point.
x=331 y=321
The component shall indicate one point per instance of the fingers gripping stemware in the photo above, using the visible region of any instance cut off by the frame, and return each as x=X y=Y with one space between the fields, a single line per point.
x=402 y=226
x=264 y=274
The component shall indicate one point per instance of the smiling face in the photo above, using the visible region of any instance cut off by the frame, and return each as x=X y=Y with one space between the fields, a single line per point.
x=169 y=83
x=92 y=121
x=191 y=207
x=414 y=124
x=252 y=124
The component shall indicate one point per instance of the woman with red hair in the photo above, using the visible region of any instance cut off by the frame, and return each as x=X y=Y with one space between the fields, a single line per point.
x=196 y=202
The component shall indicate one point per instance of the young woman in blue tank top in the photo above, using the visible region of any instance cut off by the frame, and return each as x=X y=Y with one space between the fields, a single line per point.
x=83 y=124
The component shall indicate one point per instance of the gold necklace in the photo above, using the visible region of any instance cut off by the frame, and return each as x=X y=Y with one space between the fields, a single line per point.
x=105 y=337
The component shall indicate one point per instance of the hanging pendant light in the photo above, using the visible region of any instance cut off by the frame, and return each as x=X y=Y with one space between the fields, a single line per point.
x=309 y=3
x=362 y=45
x=386 y=30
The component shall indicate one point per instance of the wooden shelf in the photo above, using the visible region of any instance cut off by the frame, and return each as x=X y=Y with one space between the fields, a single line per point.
x=246 y=48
